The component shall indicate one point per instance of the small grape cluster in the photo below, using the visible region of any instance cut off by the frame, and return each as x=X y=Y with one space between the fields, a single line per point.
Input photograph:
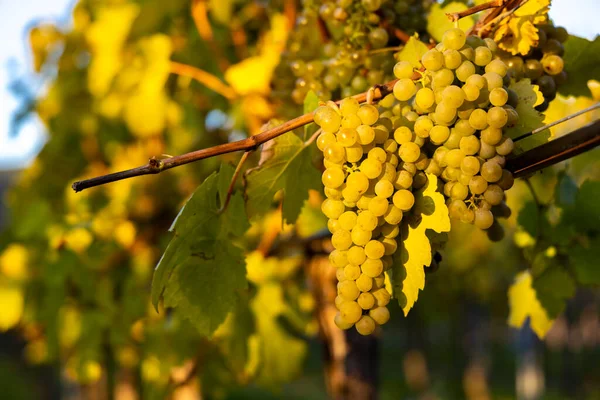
x=450 y=124
x=366 y=199
x=543 y=65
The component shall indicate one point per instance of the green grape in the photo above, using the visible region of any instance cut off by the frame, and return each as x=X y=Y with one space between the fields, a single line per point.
x=348 y=289
x=388 y=174
x=338 y=319
x=351 y=194
x=465 y=70
x=335 y=153
x=409 y=167
x=393 y=215
x=497 y=117
x=498 y=66
x=463 y=128
x=484 y=205
x=470 y=165
x=533 y=69
x=390 y=231
x=325 y=139
x=403 y=135
x=371 y=168
x=350 y=312
x=454 y=39
x=378 y=154
x=334 y=194
x=459 y=191
x=341 y=239
x=491 y=171
x=340 y=276
x=403 y=180
x=506 y=180
x=444 y=113
x=339 y=299
x=332 y=208
x=366 y=134
x=354 y=153
x=467 y=53
x=357 y=181
x=356 y=255
x=364 y=283
x=365 y=326
x=350 y=122
x=404 y=89
x=364 y=201
x=359 y=236
x=347 y=220
x=483 y=219
x=372 y=267
x=378 y=38
x=381 y=134
x=374 y=249
x=477 y=80
x=347 y=137
x=498 y=97
x=424 y=98
x=368 y=114
x=380 y=315
x=468 y=216
x=493 y=80
x=382 y=297
x=494 y=195
x=349 y=106
x=366 y=221
x=409 y=152
x=384 y=188
x=403 y=70
x=404 y=199
x=366 y=301
x=469 y=145
x=439 y=134
x=454 y=158
x=453 y=96
x=478 y=185
x=433 y=168
x=378 y=206
x=471 y=92
x=491 y=136
x=491 y=44
x=452 y=59
x=390 y=146
x=464 y=177
x=328 y=119
x=498 y=159
x=505 y=147
x=478 y=119
x=432 y=60
x=442 y=78
x=456 y=208
x=483 y=56
x=338 y=258
x=333 y=177
x=352 y=272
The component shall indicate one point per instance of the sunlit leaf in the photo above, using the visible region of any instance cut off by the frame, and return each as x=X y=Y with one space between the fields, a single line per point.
x=524 y=304
x=438 y=22
x=412 y=51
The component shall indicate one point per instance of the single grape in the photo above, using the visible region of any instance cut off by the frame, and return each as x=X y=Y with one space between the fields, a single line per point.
x=368 y=114
x=354 y=153
x=454 y=39
x=469 y=145
x=439 y=134
x=497 y=117
x=333 y=209
x=382 y=297
x=423 y=125
x=356 y=255
x=404 y=89
x=465 y=70
x=483 y=219
x=378 y=205
x=393 y=215
x=491 y=171
x=471 y=92
x=403 y=70
x=350 y=312
x=380 y=315
x=478 y=184
x=374 y=249
x=347 y=137
x=432 y=60
x=444 y=113
x=505 y=147
x=494 y=195
x=333 y=177
x=366 y=134
x=498 y=66
x=365 y=326
x=390 y=231
x=366 y=301
x=409 y=152
x=498 y=97
x=341 y=239
x=348 y=289
x=478 y=119
x=327 y=118
x=483 y=56
x=452 y=59
x=366 y=221
x=442 y=78
x=364 y=283
x=404 y=199
x=491 y=136
x=424 y=98
x=359 y=236
x=384 y=188
x=453 y=96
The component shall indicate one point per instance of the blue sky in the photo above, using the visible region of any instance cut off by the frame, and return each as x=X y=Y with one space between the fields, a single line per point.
x=578 y=16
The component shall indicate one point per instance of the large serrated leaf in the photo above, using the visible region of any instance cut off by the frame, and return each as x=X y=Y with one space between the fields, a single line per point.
x=553 y=287
x=414 y=254
x=582 y=63
x=201 y=271
x=412 y=51
x=285 y=164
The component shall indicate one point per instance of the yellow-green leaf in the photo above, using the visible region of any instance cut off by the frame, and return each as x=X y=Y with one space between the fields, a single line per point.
x=11 y=304
x=529 y=117
x=429 y=212
x=524 y=303
x=412 y=51
x=518 y=32
x=438 y=22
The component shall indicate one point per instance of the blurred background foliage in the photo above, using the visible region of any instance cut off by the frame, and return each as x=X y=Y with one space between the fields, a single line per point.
x=75 y=269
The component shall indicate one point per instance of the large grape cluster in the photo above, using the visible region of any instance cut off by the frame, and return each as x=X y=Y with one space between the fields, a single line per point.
x=543 y=65
x=448 y=123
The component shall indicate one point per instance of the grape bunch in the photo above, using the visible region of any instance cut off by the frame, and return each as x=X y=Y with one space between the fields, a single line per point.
x=448 y=123
x=366 y=199
x=543 y=64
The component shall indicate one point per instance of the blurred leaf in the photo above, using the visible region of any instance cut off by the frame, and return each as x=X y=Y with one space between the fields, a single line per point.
x=553 y=287
x=566 y=190
x=529 y=218
x=285 y=164
x=311 y=102
x=412 y=51
x=11 y=304
x=587 y=206
x=415 y=247
x=583 y=258
x=201 y=270
x=582 y=63
x=524 y=303
x=438 y=22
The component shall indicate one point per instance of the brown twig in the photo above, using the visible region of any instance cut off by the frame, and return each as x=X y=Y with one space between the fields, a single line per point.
x=205 y=78
x=401 y=35
x=233 y=179
x=475 y=9
x=156 y=166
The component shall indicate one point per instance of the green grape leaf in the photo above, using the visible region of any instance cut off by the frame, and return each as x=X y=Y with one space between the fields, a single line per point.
x=438 y=22
x=583 y=257
x=529 y=218
x=201 y=271
x=311 y=102
x=524 y=303
x=553 y=287
x=274 y=365
x=412 y=51
x=529 y=117
x=566 y=190
x=408 y=274
x=586 y=212
x=582 y=63
x=285 y=164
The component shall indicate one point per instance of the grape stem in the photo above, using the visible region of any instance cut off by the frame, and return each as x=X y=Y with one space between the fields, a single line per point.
x=205 y=78
x=558 y=121
x=156 y=166
x=454 y=17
